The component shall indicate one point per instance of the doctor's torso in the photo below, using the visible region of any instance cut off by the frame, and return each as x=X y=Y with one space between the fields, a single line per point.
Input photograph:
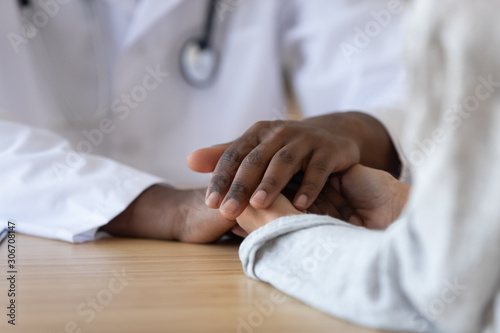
x=105 y=74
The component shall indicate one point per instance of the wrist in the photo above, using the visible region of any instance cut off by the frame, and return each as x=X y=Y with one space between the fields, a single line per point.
x=376 y=147
x=151 y=215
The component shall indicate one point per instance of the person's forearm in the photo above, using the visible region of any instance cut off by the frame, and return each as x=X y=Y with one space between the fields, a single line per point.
x=162 y=212
x=37 y=158
x=148 y=216
x=376 y=147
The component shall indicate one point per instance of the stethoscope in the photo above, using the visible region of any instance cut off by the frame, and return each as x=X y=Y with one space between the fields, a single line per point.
x=199 y=61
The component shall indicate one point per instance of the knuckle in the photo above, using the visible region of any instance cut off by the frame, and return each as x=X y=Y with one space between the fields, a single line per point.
x=286 y=156
x=248 y=142
x=254 y=159
x=269 y=132
x=238 y=190
x=258 y=127
x=253 y=140
x=218 y=182
x=320 y=165
x=260 y=124
x=269 y=181
x=279 y=127
x=265 y=134
x=230 y=157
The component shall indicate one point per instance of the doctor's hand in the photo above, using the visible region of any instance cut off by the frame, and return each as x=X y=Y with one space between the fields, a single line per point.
x=162 y=212
x=256 y=167
x=377 y=197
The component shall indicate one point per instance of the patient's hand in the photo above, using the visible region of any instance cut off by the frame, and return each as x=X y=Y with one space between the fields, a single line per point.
x=376 y=196
x=251 y=219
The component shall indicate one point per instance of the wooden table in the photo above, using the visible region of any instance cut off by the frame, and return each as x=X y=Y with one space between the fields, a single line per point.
x=129 y=285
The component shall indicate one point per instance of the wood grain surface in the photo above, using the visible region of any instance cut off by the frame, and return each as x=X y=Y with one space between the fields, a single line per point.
x=132 y=285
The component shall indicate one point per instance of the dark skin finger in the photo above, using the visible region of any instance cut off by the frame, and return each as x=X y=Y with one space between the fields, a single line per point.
x=247 y=178
x=334 y=143
x=282 y=167
x=229 y=163
x=295 y=147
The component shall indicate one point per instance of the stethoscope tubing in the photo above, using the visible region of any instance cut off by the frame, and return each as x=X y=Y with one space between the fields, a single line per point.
x=209 y=25
x=204 y=44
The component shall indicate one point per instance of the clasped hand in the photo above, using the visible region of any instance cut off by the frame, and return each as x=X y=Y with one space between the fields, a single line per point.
x=249 y=174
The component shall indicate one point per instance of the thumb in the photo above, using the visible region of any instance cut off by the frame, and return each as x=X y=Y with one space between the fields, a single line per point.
x=204 y=160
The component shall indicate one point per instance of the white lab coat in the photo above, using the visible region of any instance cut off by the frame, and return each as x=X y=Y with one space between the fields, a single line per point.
x=105 y=76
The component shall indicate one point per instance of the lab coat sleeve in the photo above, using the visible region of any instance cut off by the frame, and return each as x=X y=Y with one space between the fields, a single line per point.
x=344 y=55
x=437 y=269
x=51 y=191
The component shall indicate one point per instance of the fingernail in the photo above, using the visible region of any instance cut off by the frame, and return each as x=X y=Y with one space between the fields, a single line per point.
x=230 y=207
x=260 y=197
x=355 y=220
x=301 y=201
x=213 y=200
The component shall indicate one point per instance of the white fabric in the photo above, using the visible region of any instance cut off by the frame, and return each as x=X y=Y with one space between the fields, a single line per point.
x=437 y=269
x=105 y=75
x=71 y=208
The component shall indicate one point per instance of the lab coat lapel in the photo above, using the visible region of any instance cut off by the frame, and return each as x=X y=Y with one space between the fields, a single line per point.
x=147 y=14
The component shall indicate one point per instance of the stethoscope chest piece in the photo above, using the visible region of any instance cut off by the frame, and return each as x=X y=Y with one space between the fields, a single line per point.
x=198 y=64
